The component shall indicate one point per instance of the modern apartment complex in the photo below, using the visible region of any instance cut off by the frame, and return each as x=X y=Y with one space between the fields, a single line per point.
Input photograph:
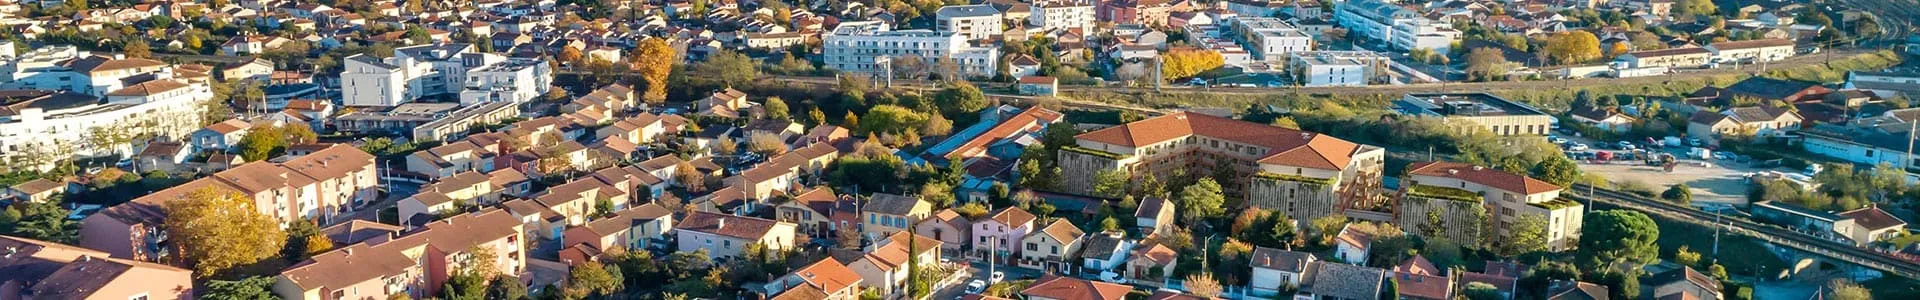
x=1337 y=68
x=1278 y=169
x=512 y=81
x=1498 y=115
x=441 y=70
x=1049 y=15
x=857 y=47
x=973 y=22
x=1394 y=26
x=1475 y=203
x=1271 y=39
x=56 y=97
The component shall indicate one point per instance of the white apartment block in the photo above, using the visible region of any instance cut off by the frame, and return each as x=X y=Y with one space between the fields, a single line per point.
x=66 y=68
x=855 y=47
x=1049 y=15
x=975 y=22
x=57 y=121
x=1395 y=26
x=1271 y=39
x=516 y=81
x=1336 y=68
x=412 y=73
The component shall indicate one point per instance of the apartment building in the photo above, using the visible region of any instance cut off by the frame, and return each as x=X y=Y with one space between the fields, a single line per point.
x=1752 y=51
x=860 y=46
x=1276 y=169
x=1337 y=68
x=1476 y=203
x=1397 y=27
x=1001 y=232
x=1271 y=39
x=55 y=100
x=1050 y=15
x=417 y=264
x=1141 y=12
x=512 y=81
x=436 y=70
x=1498 y=115
x=1685 y=57
x=317 y=186
x=45 y=270
x=972 y=22
x=65 y=68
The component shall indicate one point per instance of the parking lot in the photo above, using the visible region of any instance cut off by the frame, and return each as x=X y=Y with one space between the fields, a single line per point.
x=1718 y=181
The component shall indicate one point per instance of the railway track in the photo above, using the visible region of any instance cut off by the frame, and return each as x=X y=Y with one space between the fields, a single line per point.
x=1767 y=232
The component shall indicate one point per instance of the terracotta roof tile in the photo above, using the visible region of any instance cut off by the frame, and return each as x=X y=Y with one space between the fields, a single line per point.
x=1284 y=146
x=1482 y=175
x=1057 y=287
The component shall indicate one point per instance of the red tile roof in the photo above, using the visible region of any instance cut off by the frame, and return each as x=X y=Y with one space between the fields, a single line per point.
x=1057 y=287
x=1482 y=175
x=1873 y=218
x=828 y=275
x=1284 y=146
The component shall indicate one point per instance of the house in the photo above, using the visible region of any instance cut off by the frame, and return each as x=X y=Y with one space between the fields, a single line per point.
x=1575 y=290
x=1154 y=216
x=886 y=214
x=38 y=269
x=727 y=235
x=1352 y=245
x=36 y=190
x=1419 y=279
x=1105 y=252
x=1276 y=270
x=1151 y=264
x=356 y=231
x=220 y=136
x=415 y=265
x=1050 y=287
x=948 y=227
x=1343 y=281
x=1686 y=281
x=162 y=156
x=1038 y=85
x=1604 y=119
x=1052 y=247
x=812 y=211
x=726 y=103
x=1001 y=233
x=640 y=227
x=884 y=268
x=1860 y=227
x=1742 y=122
x=826 y=279
x=1752 y=51
x=1682 y=57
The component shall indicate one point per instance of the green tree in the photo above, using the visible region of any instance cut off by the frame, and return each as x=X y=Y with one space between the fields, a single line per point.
x=261 y=143
x=1109 y=183
x=1613 y=236
x=940 y=194
x=1678 y=193
x=1841 y=289
x=1526 y=234
x=957 y=98
x=508 y=288
x=219 y=229
x=1621 y=284
x=250 y=288
x=891 y=119
x=1487 y=63
x=1481 y=291
x=728 y=68
x=816 y=117
x=1573 y=47
x=138 y=48
x=1201 y=201
x=592 y=278
x=1558 y=171
x=1686 y=257
x=776 y=108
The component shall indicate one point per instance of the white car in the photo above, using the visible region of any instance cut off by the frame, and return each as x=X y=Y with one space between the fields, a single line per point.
x=1112 y=277
x=1578 y=147
x=996 y=277
x=976 y=287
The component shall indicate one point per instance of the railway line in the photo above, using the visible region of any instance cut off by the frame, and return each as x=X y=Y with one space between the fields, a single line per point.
x=1766 y=232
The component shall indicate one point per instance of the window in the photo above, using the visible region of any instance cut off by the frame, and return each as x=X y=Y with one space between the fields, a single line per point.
x=1033 y=247
x=141 y=296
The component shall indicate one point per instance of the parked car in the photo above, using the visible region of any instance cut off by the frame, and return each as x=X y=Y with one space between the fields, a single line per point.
x=976 y=287
x=1626 y=145
x=1577 y=147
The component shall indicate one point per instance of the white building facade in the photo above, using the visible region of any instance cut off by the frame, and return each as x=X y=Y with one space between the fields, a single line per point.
x=974 y=22
x=1271 y=39
x=858 y=46
x=1049 y=15
x=411 y=74
x=517 y=81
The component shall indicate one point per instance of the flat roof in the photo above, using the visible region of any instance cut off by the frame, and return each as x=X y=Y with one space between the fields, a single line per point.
x=1468 y=104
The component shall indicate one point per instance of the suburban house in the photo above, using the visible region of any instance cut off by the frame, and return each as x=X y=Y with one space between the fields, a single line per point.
x=1419 y=279
x=1860 y=227
x=1105 y=252
x=1742 y=121
x=36 y=190
x=1275 y=270
x=950 y=228
x=812 y=211
x=221 y=135
x=724 y=235
x=1051 y=287
x=416 y=265
x=475 y=153
x=1687 y=282
x=826 y=279
x=641 y=227
x=884 y=268
x=1604 y=119
x=1343 y=281
x=1052 y=247
x=460 y=191
x=1352 y=245
x=885 y=214
x=1002 y=232
x=1154 y=216
x=38 y=269
x=1151 y=264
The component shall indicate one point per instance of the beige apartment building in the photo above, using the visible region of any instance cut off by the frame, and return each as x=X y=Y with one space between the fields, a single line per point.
x=416 y=264
x=1279 y=169
x=1476 y=203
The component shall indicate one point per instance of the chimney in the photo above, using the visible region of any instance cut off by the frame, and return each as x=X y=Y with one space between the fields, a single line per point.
x=1477 y=168
x=348 y=251
x=1453 y=171
x=720 y=224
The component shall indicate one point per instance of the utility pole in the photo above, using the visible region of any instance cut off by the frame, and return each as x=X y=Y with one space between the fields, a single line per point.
x=1157 y=64
x=1911 y=126
x=886 y=65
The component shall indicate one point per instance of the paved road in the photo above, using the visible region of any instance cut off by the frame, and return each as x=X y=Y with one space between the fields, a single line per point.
x=1770 y=233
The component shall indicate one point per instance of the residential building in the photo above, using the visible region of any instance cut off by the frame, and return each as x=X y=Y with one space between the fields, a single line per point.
x=813 y=212
x=1275 y=270
x=1105 y=252
x=1885 y=84
x=38 y=269
x=1476 y=203
x=1752 y=51
x=514 y=81
x=948 y=227
x=1271 y=39
x=884 y=267
x=466 y=155
x=1497 y=115
x=972 y=22
x=1575 y=290
x=448 y=194
x=1151 y=264
x=417 y=264
x=1277 y=169
x=319 y=186
x=65 y=68
x=395 y=120
x=1351 y=245
x=1050 y=15
x=1682 y=57
x=885 y=214
x=1338 y=281
x=1868 y=141
x=859 y=47
x=1052 y=247
x=1604 y=119
x=1336 y=68
x=1002 y=233
x=220 y=136
x=1687 y=282
x=1388 y=24
x=1419 y=279
x=435 y=70
x=638 y=228
x=1051 y=287
x=1860 y=227
x=459 y=122
x=1141 y=12
x=40 y=126
x=1154 y=215
x=1038 y=86
x=826 y=279
x=727 y=235
x=36 y=190
x=1742 y=122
